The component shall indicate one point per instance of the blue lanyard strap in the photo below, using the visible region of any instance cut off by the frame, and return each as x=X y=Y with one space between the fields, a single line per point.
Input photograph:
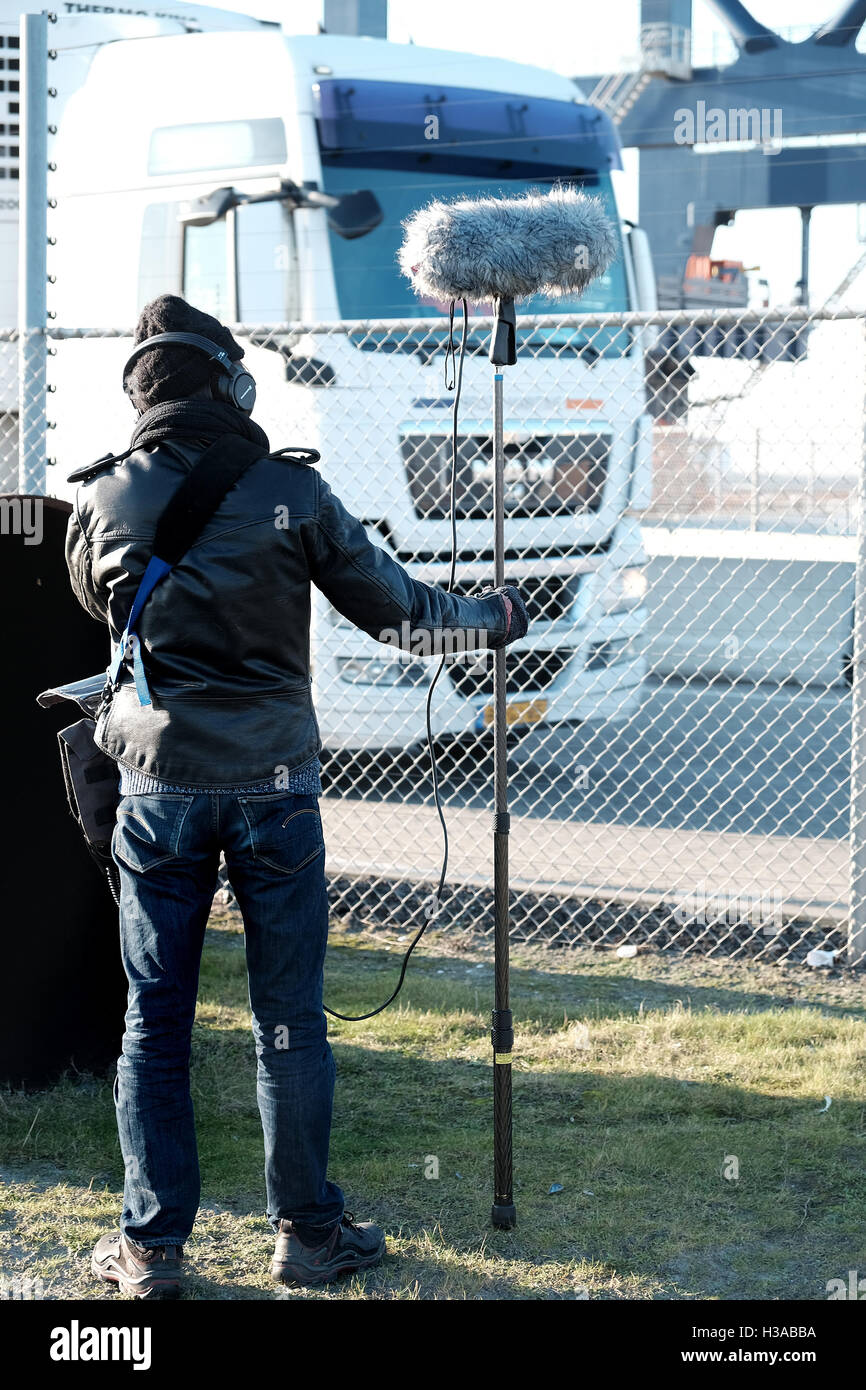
x=129 y=646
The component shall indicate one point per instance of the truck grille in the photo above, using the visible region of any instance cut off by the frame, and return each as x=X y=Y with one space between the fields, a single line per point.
x=524 y=671
x=548 y=598
x=545 y=474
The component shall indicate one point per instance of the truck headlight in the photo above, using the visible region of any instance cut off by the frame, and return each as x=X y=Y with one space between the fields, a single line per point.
x=626 y=589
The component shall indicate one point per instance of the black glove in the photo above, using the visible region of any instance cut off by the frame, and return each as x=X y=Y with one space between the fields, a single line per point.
x=519 y=617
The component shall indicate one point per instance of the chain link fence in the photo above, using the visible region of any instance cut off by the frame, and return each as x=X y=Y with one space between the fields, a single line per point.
x=682 y=512
x=685 y=519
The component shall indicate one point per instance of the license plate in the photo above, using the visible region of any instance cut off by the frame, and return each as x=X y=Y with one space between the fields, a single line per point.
x=517 y=712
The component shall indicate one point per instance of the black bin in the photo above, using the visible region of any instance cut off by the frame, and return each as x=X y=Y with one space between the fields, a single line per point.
x=62 y=986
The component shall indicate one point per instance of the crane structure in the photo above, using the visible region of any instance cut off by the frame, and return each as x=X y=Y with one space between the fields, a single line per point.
x=783 y=125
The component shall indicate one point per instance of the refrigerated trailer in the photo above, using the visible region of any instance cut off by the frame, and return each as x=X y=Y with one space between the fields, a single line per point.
x=207 y=189
x=79 y=30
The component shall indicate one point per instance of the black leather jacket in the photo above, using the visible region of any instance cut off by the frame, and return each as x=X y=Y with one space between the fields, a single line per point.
x=226 y=636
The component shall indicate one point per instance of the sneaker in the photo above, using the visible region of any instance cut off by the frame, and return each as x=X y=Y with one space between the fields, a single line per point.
x=350 y=1246
x=145 y=1273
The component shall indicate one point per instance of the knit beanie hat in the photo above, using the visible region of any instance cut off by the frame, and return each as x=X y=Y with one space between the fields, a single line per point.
x=173 y=372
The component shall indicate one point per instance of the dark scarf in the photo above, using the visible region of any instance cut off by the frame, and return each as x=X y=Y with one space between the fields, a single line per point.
x=195 y=419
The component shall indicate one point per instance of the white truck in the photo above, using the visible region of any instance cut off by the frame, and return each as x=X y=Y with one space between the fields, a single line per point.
x=194 y=164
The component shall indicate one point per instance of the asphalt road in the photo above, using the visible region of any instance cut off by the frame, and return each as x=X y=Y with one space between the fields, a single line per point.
x=730 y=758
x=733 y=758
x=739 y=785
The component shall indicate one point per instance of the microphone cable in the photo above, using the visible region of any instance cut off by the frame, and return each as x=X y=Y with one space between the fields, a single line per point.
x=434 y=902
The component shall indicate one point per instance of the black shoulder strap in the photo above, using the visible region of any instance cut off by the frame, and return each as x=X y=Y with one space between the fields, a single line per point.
x=180 y=524
x=200 y=494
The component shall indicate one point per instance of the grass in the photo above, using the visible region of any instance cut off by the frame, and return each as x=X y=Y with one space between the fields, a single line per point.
x=637 y=1084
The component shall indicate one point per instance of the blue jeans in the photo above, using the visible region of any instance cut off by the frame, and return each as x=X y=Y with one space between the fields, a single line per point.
x=167 y=847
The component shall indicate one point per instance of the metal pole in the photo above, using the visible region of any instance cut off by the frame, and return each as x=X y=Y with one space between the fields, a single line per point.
x=503 y=1215
x=32 y=255
x=857 y=817
x=805 y=228
x=756 y=483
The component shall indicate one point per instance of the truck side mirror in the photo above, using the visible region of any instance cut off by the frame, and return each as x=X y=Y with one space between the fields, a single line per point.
x=644 y=271
x=209 y=208
x=350 y=216
x=355 y=214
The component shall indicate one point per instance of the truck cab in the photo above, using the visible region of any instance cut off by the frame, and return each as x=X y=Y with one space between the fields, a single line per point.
x=348 y=361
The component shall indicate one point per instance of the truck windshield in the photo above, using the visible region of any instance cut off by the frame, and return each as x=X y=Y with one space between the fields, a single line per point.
x=410 y=145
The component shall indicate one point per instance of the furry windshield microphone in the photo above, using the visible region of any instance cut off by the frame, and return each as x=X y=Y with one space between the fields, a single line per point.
x=508 y=248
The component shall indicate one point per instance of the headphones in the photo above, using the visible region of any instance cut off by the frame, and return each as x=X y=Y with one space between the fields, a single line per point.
x=232 y=383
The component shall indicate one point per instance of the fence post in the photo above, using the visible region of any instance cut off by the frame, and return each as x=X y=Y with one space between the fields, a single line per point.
x=33 y=255
x=755 y=489
x=857 y=815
